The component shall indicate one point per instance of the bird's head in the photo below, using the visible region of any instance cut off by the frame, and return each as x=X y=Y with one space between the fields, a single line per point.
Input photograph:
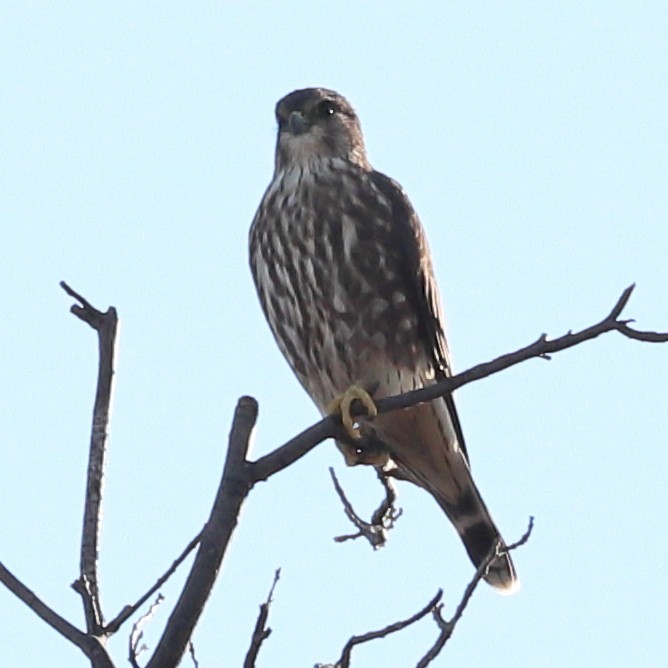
x=316 y=124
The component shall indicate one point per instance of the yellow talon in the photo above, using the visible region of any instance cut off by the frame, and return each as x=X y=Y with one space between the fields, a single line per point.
x=343 y=403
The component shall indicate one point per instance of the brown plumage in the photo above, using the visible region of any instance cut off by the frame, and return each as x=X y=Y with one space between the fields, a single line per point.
x=344 y=275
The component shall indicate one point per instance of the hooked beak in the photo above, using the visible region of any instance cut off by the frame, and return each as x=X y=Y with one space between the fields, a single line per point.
x=297 y=123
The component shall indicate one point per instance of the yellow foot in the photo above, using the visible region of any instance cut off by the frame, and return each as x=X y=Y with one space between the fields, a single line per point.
x=343 y=403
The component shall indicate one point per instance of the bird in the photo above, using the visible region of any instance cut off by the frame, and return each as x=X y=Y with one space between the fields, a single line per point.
x=344 y=276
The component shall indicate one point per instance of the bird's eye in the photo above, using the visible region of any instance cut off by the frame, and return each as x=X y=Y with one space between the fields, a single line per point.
x=327 y=108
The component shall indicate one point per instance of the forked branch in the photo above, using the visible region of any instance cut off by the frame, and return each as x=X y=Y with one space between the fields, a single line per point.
x=382 y=520
x=435 y=607
x=344 y=660
x=448 y=626
x=261 y=631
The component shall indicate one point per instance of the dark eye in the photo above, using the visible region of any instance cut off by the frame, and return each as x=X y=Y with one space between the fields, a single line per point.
x=327 y=108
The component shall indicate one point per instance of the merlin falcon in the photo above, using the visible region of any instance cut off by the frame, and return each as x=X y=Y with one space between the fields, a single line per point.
x=344 y=275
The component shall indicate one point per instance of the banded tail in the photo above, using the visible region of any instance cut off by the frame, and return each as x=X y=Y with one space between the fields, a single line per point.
x=424 y=445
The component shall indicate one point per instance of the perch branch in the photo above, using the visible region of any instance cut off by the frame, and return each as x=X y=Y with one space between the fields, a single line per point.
x=542 y=348
x=261 y=632
x=330 y=427
x=296 y=447
x=234 y=486
x=105 y=324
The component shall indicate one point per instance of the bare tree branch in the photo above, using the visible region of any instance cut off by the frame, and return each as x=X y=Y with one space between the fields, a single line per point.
x=296 y=447
x=435 y=607
x=239 y=476
x=261 y=632
x=541 y=348
x=90 y=646
x=330 y=427
x=382 y=520
x=90 y=643
x=130 y=610
x=447 y=627
x=344 y=660
x=134 y=648
x=234 y=486
x=105 y=324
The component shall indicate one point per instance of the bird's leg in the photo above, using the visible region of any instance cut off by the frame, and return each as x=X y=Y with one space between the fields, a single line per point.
x=343 y=403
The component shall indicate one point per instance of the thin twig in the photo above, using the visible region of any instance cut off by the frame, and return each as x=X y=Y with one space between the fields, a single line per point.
x=134 y=648
x=261 y=632
x=105 y=324
x=448 y=626
x=191 y=651
x=130 y=610
x=382 y=519
x=344 y=660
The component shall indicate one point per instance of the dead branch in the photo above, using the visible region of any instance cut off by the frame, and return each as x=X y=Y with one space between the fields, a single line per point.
x=105 y=324
x=134 y=648
x=330 y=427
x=261 y=632
x=294 y=449
x=89 y=645
x=91 y=642
x=435 y=607
x=235 y=485
x=447 y=627
x=382 y=520
x=191 y=651
x=344 y=660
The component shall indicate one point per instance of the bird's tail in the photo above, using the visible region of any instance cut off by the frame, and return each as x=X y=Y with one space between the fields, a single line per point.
x=480 y=536
x=431 y=457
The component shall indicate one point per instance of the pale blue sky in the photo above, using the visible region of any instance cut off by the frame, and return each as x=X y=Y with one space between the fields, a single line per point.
x=136 y=140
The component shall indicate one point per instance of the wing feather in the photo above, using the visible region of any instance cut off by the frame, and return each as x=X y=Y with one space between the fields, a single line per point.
x=418 y=273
